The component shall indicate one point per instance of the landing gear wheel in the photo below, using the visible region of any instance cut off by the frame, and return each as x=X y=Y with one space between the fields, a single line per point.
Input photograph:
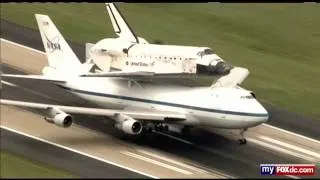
x=242 y=139
x=149 y=130
x=166 y=128
x=162 y=128
x=159 y=127
x=156 y=128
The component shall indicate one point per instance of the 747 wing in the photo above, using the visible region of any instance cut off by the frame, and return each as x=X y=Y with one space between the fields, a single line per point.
x=152 y=116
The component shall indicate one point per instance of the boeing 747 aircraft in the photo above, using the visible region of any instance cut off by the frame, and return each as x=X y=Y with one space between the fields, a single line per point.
x=134 y=106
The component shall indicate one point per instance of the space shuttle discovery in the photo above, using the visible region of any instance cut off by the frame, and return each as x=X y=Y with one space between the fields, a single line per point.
x=130 y=53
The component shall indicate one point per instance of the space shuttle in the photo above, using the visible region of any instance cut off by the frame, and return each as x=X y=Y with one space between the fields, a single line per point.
x=130 y=53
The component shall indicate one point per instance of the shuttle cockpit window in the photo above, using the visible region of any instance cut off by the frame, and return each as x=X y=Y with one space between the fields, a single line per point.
x=205 y=52
x=247 y=97
x=208 y=51
x=201 y=53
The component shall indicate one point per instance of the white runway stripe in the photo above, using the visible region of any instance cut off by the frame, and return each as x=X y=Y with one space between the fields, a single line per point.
x=156 y=162
x=8 y=83
x=173 y=137
x=292 y=133
x=282 y=150
x=290 y=146
x=172 y=161
x=76 y=151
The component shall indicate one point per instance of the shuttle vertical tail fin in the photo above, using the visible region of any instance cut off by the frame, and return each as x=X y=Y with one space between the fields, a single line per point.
x=120 y=26
x=60 y=56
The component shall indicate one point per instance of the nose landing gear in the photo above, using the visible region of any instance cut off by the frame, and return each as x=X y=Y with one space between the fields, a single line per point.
x=242 y=139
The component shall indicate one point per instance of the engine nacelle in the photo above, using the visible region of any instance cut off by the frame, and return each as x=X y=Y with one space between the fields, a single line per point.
x=128 y=125
x=58 y=117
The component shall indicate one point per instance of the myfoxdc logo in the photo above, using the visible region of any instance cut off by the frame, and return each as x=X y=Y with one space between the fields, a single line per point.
x=287 y=169
x=266 y=169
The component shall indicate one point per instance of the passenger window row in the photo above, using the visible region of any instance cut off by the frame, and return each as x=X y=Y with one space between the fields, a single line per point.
x=156 y=57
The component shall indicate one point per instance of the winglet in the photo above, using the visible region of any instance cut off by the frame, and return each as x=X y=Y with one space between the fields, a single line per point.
x=120 y=26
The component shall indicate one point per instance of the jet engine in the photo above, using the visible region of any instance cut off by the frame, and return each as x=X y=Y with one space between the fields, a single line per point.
x=58 y=117
x=128 y=125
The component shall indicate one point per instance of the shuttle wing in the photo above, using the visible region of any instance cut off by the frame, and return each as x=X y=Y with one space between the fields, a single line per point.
x=234 y=78
x=138 y=114
x=120 y=26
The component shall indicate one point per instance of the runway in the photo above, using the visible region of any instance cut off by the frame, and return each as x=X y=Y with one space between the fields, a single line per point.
x=166 y=156
x=77 y=164
x=96 y=137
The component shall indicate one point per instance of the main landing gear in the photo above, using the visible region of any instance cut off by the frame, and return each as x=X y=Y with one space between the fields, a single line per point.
x=161 y=127
x=242 y=139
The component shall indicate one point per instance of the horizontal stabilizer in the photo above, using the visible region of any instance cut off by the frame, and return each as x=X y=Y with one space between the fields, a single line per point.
x=35 y=77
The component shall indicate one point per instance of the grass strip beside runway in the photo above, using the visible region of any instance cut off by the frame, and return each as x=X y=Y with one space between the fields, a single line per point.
x=16 y=166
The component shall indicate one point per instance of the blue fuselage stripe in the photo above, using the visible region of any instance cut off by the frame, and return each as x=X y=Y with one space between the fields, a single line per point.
x=163 y=103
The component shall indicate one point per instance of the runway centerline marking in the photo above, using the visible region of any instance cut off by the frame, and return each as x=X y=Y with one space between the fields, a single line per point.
x=8 y=83
x=302 y=150
x=175 y=138
x=76 y=151
x=292 y=133
x=156 y=162
x=172 y=161
x=282 y=150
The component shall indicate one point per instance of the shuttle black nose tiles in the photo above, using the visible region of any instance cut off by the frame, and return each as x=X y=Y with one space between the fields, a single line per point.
x=221 y=68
